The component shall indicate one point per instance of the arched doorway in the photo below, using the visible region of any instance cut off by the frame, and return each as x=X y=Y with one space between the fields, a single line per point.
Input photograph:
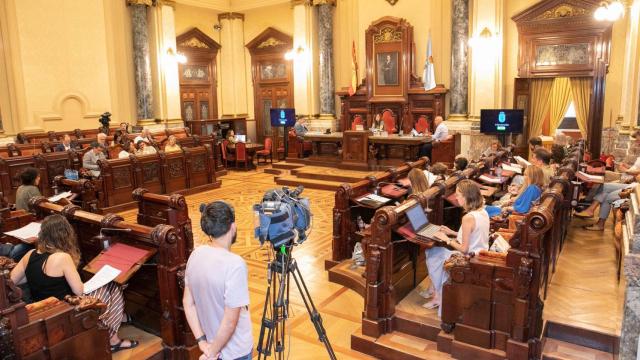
x=272 y=77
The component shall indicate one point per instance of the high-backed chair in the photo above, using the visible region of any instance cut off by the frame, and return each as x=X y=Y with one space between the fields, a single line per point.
x=422 y=125
x=241 y=155
x=357 y=120
x=267 y=152
x=225 y=156
x=389 y=121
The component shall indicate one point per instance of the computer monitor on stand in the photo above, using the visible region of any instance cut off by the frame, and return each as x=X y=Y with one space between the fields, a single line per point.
x=283 y=118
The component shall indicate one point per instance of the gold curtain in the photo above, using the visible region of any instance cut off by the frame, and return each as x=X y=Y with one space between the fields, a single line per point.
x=540 y=101
x=581 y=94
x=560 y=100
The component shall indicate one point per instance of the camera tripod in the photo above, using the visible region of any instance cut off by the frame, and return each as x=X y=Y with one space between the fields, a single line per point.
x=276 y=306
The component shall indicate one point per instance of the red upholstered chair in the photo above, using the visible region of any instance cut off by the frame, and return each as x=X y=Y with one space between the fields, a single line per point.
x=267 y=152
x=357 y=120
x=389 y=121
x=226 y=158
x=422 y=125
x=241 y=155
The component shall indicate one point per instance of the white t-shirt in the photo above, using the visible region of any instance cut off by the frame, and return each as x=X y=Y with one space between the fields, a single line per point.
x=441 y=133
x=218 y=278
x=123 y=154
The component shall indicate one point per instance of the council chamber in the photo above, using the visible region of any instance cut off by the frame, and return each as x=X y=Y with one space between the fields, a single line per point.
x=319 y=179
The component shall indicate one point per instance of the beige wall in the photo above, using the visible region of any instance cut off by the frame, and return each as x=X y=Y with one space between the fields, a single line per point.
x=70 y=62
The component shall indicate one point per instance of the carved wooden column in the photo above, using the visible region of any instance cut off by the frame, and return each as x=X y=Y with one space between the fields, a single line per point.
x=141 y=58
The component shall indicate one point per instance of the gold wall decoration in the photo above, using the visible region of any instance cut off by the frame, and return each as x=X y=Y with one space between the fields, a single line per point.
x=270 y=42
x=140 y=2
x=194 y=43
x=562 y=11
x=387 y=34
x=392 y=2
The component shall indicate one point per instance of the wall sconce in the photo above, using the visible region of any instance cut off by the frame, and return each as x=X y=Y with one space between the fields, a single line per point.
x=484 y=38
x=178 y=57
x=294 y=54
x=609 y=11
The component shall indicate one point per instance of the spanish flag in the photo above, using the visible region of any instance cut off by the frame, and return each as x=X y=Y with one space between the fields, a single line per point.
x=354 y=70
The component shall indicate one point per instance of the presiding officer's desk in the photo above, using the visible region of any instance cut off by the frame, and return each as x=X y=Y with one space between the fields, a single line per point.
x=361 y=149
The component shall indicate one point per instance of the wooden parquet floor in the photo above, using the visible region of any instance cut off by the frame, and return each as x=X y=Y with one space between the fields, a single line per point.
x=583 y=292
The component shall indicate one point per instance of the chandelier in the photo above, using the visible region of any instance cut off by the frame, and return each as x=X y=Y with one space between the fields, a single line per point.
x=609 y=11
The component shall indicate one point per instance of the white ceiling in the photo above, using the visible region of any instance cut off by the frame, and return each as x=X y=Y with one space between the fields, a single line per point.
x=231 y=5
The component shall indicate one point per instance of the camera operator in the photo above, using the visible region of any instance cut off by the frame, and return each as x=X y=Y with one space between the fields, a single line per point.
x=216 y=294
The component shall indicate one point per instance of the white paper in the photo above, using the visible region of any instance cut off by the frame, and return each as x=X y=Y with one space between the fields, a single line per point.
x=431 y=177
x=28 y=231
x=515 y=169
x=378 y=198
x=521 y=160
x=62 y=195
x=104 y=276
x=490 y=179
x=591 y=178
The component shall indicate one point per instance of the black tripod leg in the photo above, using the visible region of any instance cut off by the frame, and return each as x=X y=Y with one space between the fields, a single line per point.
x=316 y=319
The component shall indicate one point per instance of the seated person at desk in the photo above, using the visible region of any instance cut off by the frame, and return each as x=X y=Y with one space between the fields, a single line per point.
x=65 y=145
x=440 y=134
x=492 y=149
x=418 y=180
x=377 y=124
x=101 y=138
x=605 y=196
x=301 y=127
x=460 y=163
x=439 y=170
x=127 y=149
x=172 y=146
x=472 y=237
x=91 y=157
x=145 y=149
x=231 y=136
x=120 y=135
x=30 y=179
x=145 y=136
x=51 y=270
x=529 y=193
x=534 y=143
x=542 y=159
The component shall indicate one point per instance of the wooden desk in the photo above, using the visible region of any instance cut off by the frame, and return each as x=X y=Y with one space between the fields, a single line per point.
x=325 y=147
x=394 y=149
x=251 y=151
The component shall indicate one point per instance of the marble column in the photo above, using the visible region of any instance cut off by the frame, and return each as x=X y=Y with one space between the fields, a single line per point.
x=631 y=315
x=233 y=84
x=141 y=58
x=458 y=92
x=325 y=51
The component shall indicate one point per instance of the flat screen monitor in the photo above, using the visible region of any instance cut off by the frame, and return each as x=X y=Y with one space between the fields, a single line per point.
x=501 y=121
x=241 y=138
x=283 y=117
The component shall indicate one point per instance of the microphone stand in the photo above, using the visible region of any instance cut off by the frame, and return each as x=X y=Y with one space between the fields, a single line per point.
x=106 y=240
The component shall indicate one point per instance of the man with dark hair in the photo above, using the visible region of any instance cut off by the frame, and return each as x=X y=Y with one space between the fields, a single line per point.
x=30 y=179
x=216 y=293
x=460 y=163
x=542 y=159
x=91 y=157
x=534 y=142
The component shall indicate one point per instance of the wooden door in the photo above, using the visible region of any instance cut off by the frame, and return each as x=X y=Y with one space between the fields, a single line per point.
x=272 y=79
x=196 y=102
x=521 y=101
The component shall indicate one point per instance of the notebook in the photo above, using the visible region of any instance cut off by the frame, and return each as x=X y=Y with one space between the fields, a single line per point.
x=420 y=222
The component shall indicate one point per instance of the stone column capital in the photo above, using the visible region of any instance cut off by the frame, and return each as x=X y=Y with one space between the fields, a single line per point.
x=301 y=2
x=140 y=2
x=324 y=2
x=230 y=16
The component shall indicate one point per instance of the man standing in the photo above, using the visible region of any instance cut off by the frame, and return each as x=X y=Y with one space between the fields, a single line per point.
x=440 y=134
x=216 y=293
x=91 y=157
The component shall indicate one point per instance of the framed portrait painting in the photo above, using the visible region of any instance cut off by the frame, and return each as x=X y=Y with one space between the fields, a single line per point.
x=387 y=73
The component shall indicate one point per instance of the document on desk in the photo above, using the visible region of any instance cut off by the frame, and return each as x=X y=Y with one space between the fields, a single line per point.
x=509 y=167
x=491 y=179
x=62 y=195
x=522 y=160
x=27 y=233
x=104 y=276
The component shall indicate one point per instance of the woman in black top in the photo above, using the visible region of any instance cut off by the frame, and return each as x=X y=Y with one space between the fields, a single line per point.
x=51 y=270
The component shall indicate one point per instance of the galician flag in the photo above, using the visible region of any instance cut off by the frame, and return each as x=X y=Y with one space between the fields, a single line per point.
x=354 y=70
x=428 y=75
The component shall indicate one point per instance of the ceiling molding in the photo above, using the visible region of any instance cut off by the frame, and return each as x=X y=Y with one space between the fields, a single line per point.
x=231 y=5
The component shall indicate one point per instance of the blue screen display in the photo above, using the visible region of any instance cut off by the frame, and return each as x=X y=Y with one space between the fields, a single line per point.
x=283 y=117
x=501 y=121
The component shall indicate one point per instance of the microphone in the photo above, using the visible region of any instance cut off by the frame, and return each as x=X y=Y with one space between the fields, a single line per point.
x=106 y=240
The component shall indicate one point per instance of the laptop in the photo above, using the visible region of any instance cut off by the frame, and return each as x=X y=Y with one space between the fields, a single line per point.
x=420 y=223
x=241 y=138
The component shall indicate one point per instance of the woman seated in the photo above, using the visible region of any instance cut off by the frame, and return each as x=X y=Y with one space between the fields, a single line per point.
x=419 y=182
x=604 y=198
x=529 y=193
x=172 y=145
x=439 y=170
x=51 y=270
x=231 y=136
x=30 y=179
x=377 y=124
x=492 y=149
x=145 y=149
x=472 y=237
x=127 y=149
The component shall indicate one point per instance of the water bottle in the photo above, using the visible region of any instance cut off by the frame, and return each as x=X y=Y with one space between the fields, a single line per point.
x=360 y=223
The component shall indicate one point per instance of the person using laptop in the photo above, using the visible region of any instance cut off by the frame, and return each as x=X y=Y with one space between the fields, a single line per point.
x=472 y=237
x=231 y=136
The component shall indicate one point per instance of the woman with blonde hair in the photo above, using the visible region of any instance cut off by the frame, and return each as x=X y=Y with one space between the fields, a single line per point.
x=172 y=145
x=51 y=271
x=472 y=237
x=529 y=193
x=419 y=182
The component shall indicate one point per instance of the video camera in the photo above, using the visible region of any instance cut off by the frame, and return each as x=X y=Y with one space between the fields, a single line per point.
x=282 y=217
